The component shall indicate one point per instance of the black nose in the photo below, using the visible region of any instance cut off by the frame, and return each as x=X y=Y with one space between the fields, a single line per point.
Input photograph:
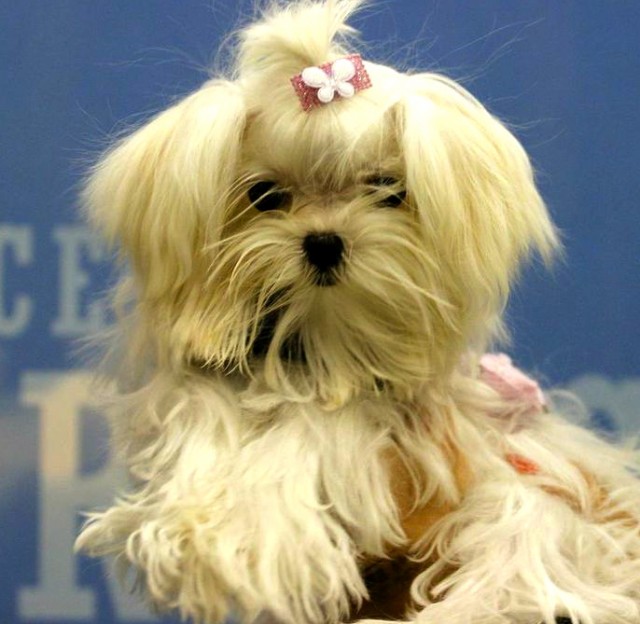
x=323 y=250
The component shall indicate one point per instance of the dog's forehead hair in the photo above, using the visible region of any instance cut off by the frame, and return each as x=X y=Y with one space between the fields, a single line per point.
x=328 y=149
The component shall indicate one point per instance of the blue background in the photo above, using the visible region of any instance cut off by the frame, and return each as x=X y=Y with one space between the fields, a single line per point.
x=565 y=75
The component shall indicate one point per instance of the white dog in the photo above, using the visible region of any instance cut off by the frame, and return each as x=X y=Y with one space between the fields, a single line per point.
x=320 y=250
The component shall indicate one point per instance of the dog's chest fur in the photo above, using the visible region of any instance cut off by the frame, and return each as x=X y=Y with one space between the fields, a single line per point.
x=388 y=473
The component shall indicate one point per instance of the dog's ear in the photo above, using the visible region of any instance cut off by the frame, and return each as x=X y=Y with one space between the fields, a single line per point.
x=474 y=188
x=160 y=194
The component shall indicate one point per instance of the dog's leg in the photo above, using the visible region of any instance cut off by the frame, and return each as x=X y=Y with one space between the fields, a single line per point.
x=520 y=554
x=235 y=516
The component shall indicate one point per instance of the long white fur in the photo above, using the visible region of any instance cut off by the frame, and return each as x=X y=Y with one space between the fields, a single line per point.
x=263 y=486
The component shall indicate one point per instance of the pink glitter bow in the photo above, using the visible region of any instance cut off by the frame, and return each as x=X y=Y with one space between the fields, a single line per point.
x=343 y=78
x=497 y=371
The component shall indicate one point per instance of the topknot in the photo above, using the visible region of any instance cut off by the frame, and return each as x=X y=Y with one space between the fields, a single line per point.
x=293 y=36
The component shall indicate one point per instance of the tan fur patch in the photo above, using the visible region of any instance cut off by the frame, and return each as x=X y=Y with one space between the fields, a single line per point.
x=389 y=581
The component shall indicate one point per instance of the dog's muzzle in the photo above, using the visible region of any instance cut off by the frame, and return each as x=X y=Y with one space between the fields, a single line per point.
x=324 y=252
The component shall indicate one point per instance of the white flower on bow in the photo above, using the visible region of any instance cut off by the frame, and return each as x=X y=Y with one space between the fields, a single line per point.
x=337 y=81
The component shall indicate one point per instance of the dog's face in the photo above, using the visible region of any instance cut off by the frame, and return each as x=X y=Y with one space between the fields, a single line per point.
x=363 y=245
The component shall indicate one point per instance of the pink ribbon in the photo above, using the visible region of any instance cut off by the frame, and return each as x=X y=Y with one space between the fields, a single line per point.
x=498 y=372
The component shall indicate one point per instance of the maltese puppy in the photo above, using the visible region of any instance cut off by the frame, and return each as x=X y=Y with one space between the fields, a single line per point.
x=319 y=250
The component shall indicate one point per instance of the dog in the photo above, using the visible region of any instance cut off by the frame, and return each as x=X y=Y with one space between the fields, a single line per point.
x=317 y=252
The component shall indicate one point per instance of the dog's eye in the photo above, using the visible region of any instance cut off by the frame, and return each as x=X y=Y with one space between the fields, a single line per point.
x=266 y=195
x=392 y=194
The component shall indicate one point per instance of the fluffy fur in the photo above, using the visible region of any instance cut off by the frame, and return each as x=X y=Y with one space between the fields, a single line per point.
x=274 y=479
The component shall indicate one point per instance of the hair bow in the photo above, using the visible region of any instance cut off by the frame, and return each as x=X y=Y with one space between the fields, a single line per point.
x=320 y=85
